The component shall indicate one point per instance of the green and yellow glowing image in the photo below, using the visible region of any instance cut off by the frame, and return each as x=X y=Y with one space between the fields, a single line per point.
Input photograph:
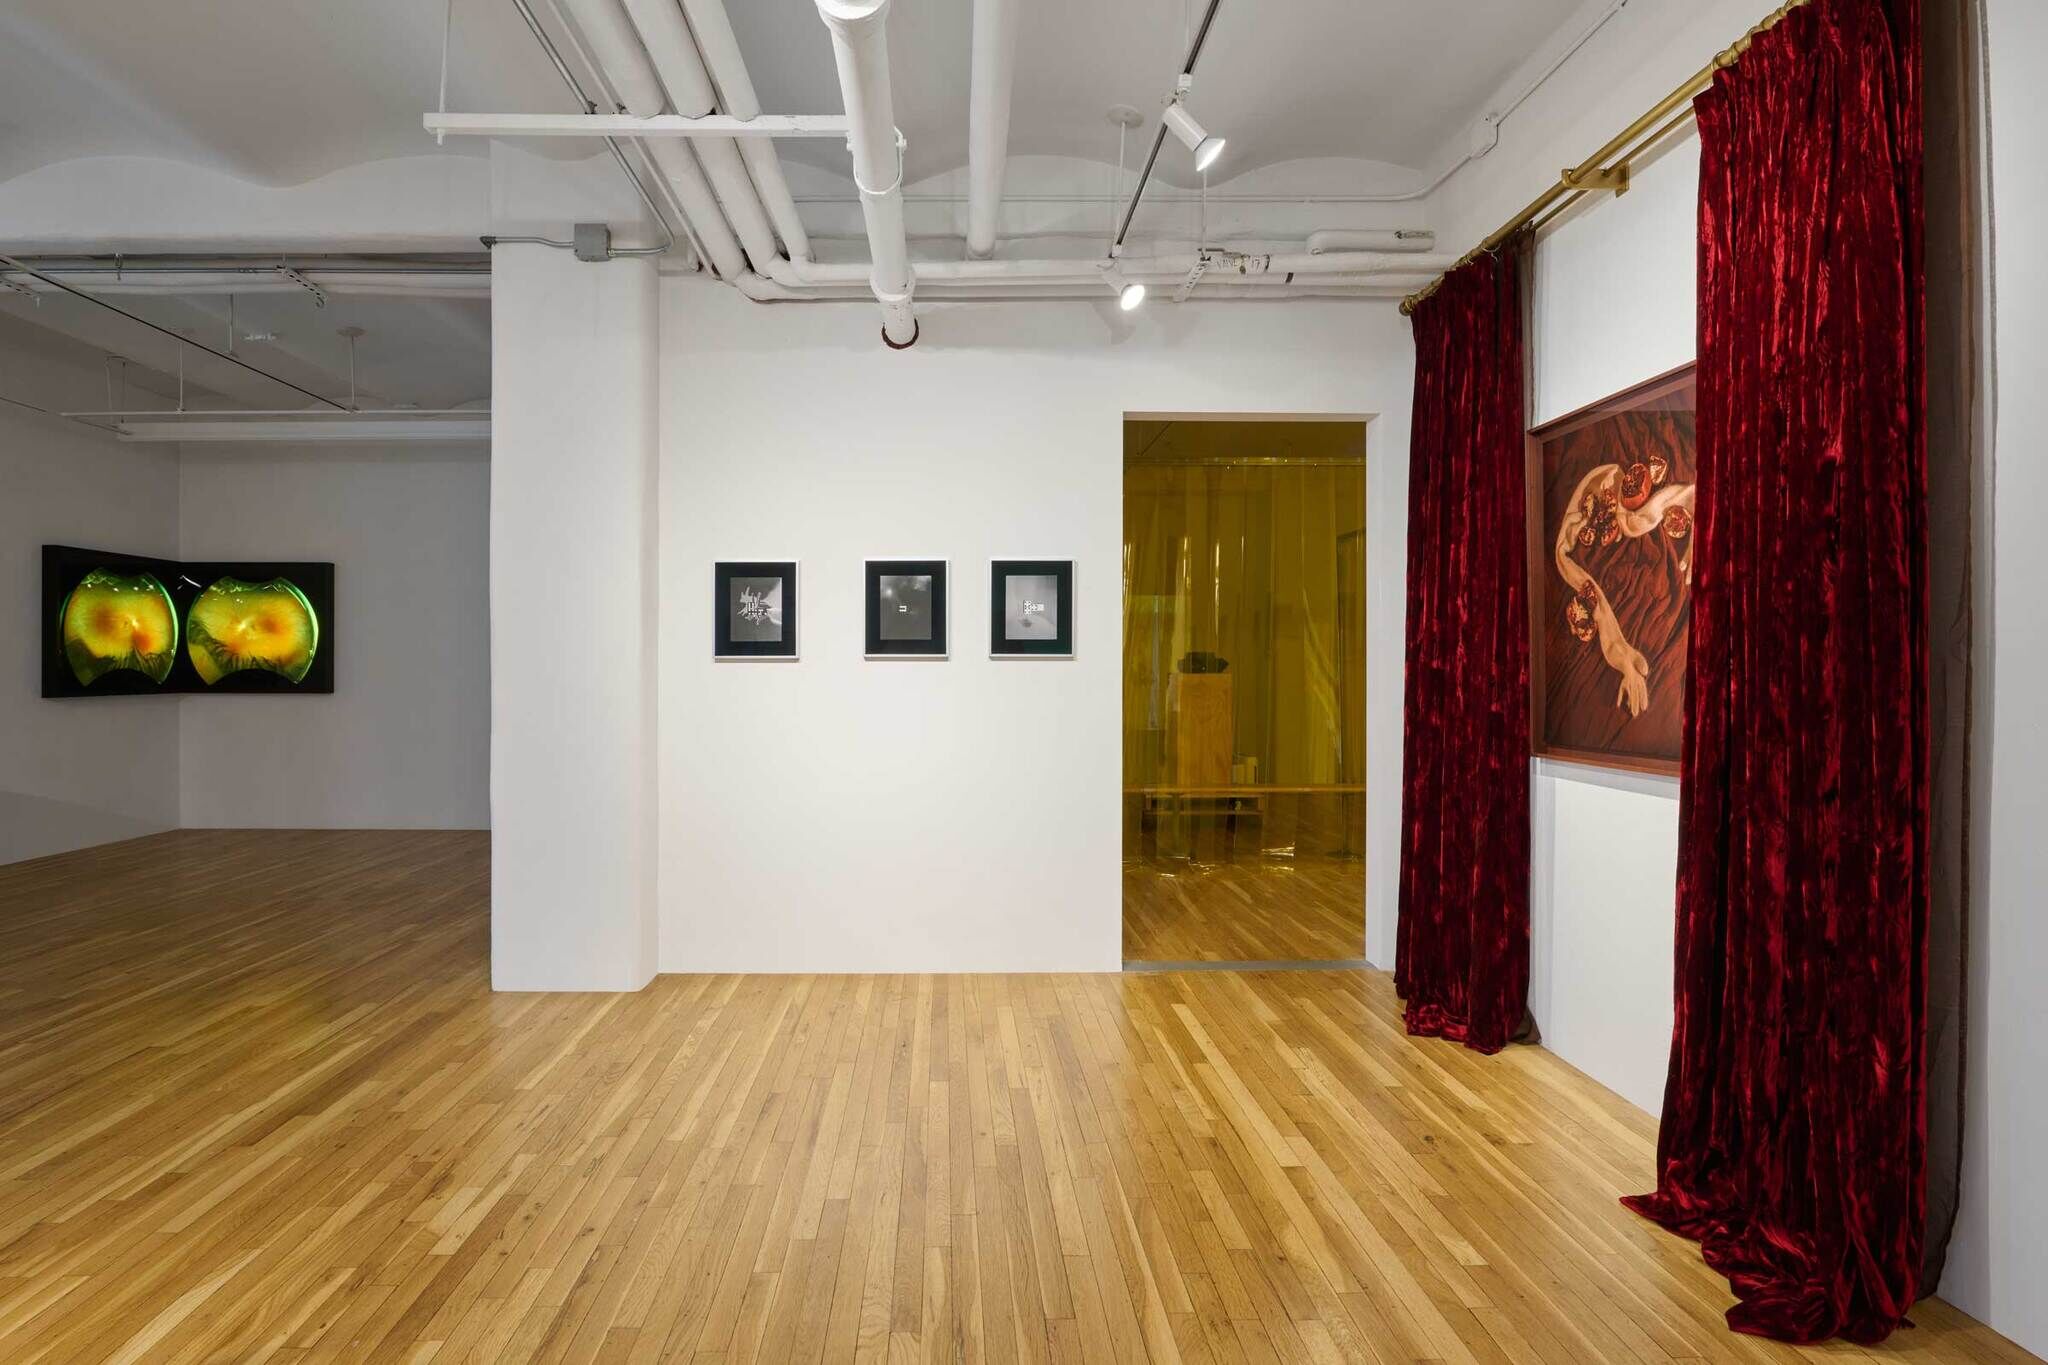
x=234 y=626
x=112 y=621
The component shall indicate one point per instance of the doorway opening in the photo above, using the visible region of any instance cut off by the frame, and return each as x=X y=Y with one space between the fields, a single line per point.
x=1243 y=692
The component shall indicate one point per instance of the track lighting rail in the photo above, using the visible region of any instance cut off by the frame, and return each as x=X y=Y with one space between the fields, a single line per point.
x=1187 y=69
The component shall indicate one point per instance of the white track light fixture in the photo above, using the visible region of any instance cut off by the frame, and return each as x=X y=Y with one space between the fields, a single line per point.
x=1129 y=293
x=1205 y=147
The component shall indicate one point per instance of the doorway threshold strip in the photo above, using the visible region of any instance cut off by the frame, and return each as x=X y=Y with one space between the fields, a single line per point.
x=1330 y=964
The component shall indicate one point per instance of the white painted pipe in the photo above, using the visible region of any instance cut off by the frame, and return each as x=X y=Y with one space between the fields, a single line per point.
x=674 y=55
x=1151 y=269
x=614 y=48
x=763 y=289
x=1370 y=239
x=424 y=285
x=993 y=66
x=681 y=69
x=679 y=169
x=860 y=48
x=720 y=48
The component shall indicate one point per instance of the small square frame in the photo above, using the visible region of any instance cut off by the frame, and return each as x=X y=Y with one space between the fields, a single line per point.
x=871 y=581
x=1061 y=645
x=723 y=646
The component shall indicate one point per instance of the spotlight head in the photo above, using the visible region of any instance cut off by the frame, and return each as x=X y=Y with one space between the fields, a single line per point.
x=1195 y=137
x=1129 y=293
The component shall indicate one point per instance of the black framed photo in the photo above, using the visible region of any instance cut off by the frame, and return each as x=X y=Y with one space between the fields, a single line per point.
x=753 y=609
x=906 y=609
x=1031 y=609
x=128 y=625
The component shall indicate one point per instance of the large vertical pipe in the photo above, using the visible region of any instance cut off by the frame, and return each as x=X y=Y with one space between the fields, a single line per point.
x=993 y=66
x=721 y=51
x=860 y=47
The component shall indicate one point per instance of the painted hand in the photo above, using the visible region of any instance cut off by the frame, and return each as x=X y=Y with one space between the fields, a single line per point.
x=1635 y=680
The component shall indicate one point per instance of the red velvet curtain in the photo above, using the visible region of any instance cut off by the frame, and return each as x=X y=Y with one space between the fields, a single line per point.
x=1462 y=952
x=1793 y=1143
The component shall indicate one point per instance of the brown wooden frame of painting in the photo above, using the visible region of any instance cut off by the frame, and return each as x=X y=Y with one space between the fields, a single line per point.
x=1539 y=559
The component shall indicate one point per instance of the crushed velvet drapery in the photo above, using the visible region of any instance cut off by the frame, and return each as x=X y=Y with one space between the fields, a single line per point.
x=1462 y=941
x=1793 y=1142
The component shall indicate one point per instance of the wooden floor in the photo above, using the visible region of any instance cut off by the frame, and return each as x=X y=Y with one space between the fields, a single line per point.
x=1253 y=909
x=257 y=1103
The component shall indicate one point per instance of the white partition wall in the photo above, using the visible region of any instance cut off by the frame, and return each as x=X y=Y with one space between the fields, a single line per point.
x=573 y=603
x=844 y=814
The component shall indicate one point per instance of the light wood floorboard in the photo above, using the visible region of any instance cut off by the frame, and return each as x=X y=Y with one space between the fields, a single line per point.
x=258 y=1103
x=1252 y=909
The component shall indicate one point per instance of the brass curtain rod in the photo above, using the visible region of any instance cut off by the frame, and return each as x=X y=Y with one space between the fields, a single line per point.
x=1596 y=172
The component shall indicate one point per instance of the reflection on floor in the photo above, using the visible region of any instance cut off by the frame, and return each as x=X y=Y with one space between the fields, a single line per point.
x=1255 y=909
x=258 y=1103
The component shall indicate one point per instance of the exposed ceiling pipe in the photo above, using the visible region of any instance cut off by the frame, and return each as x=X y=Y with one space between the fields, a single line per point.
x=1370 y=239
x=681 y=70
x=993 y=65
x=685 y=180
x=589 y=106
x=408 y=284
x=1072 y=270
x=627 y=66
x=1390 y=287
x=614 y=48
x=717 y=195
x=720 y=48
x=860 y=48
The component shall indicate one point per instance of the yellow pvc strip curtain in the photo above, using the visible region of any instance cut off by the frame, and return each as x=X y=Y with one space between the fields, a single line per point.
x=1260 y=564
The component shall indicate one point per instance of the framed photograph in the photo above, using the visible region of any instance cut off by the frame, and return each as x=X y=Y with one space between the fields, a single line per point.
x=1610 y=494
x=753 y=609
x=1031 y=609
x=906 y=609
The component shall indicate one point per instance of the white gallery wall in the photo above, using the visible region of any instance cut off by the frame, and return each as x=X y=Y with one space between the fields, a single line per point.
x=839 y=814
x=404 y=741
x=1604 y=845
x=73 y=772
x=1998 y=1258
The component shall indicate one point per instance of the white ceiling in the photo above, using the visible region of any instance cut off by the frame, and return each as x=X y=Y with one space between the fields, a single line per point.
x=272 y=91
x=1354 y=95
x=1377 y=80
x=280 y=91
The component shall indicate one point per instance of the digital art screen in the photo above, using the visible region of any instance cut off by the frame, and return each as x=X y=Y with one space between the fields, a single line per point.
x=126 y=625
